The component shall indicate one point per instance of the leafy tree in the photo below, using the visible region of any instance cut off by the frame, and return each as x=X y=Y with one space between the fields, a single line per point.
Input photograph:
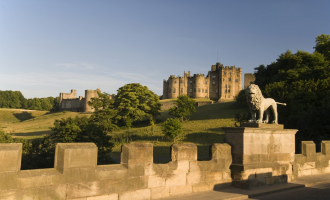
x=104 y=114
x=172 y=127
x=302 y=80
x=323 y=45
x=241 y=99
x=135 y=102
x=184 y=106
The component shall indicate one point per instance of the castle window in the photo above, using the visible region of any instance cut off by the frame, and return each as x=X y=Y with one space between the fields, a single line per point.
x=224 y=73
x=236 y=80
x=199 y=90
x=228 y=96
x=211 y=90
x=213 y=76
x=190 y=81
x=181 y=81
x=228 y=86
x=229 y=79
x=205 y=82
x=181 y=90
x=174 y=81
x=174 y=90
x=205 y=90
x=216 y=91
x=213 y=82
x=228 y=91
x=190 y=90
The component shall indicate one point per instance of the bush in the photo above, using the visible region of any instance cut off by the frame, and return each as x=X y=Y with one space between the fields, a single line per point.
x=184 y=107
x=172 y=127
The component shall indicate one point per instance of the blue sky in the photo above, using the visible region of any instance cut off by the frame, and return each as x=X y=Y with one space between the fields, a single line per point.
x=48 y=47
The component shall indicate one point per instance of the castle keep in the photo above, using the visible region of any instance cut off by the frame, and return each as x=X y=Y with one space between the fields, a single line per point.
x=70 y=102
x=221 y=83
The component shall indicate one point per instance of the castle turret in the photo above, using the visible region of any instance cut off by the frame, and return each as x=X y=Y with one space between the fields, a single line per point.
x=89 y=94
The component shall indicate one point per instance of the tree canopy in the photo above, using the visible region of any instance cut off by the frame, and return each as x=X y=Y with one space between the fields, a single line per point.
x=302 y=80
x=184 y=107
x=134 y=102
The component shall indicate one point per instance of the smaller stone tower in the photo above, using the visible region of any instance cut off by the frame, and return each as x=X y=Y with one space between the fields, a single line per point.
x=89 y=94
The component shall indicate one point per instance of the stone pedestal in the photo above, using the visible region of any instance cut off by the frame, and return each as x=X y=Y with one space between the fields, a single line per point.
x=262 y=154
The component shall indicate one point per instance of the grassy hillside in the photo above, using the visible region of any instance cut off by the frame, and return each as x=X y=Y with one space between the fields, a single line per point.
x=203 y=128
x=29 y=123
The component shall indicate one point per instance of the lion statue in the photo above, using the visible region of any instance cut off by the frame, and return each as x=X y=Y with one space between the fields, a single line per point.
x=257 y=103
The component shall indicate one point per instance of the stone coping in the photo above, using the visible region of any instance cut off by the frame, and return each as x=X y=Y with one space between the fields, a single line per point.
x=262 y=125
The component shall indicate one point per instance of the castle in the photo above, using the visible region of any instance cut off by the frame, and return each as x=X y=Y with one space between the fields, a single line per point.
x=70 y=102
x=221 y=83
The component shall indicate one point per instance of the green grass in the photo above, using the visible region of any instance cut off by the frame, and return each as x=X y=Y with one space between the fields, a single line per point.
x=30 y=123
x=203 y=128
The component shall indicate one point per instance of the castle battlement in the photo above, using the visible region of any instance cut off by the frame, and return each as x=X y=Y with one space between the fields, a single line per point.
x=211 y=88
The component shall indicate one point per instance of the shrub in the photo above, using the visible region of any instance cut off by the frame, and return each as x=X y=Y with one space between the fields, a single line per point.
x=172 y=127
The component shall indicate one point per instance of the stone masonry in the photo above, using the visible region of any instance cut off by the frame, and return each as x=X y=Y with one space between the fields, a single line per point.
x=221 y=83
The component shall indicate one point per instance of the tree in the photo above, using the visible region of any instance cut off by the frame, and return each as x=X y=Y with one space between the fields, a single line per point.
x=83 y=129
x=104 y=114
x=136 y=102
x=172 y=127
x=302 y=80
x=184 y=106
x=323 y=45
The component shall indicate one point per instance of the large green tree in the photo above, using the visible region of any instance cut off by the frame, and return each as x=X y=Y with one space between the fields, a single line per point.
x=302 y=80
x=136 y=102
x=184 y=107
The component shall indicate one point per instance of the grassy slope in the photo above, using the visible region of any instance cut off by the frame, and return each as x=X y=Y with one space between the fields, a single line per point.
x=203 y=128
x=29 y=123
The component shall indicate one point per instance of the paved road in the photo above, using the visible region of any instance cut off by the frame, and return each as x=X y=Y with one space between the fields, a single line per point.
x=319 y=192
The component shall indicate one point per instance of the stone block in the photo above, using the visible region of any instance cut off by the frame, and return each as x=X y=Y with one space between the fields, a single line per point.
x=213 y=176
x=201 y=187
x=38 y=178
x=325 y=147
x=104 y=197
x=115 y=171
x=137 y=153
x=176 y=180
x=159 y=192
x=85 y=189
x=71 y=175
x=156 y=181
x=180 y=190
x=75 y=155
x=221 y=151
x=10 y=157
x=187 y=151
x=8 y=181
x=136 y=195
x=195 y=177
x=308 y=148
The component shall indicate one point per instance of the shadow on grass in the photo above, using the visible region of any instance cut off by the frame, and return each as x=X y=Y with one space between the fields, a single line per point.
x=23 y=116
x=223 y=110
x=36 y=133
x=204 y=138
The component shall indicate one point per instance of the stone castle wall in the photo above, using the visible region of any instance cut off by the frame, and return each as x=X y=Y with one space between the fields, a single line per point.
x=70 y=102
x=77 y=176
x=221 y=83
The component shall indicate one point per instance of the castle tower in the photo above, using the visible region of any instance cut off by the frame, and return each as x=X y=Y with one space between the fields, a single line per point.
x=89 y=94
x=72 y=95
